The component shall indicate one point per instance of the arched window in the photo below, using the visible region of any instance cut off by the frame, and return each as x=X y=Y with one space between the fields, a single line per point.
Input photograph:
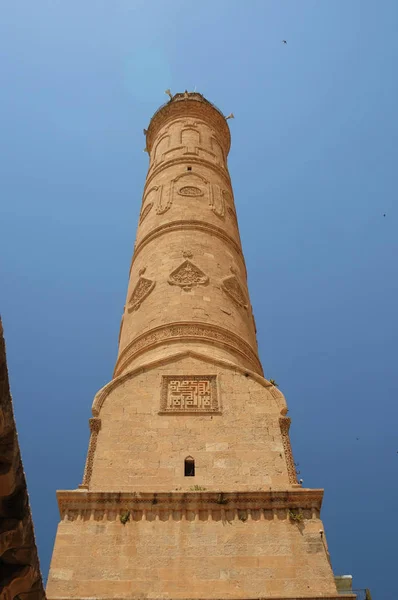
x=189 y=467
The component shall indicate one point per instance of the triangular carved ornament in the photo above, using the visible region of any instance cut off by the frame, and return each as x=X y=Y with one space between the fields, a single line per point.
x=187 y=275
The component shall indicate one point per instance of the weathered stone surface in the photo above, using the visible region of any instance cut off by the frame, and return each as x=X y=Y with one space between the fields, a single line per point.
x=190 y=487
x=20 y=575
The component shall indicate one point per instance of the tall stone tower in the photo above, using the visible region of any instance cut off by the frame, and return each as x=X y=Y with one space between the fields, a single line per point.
x=189 y=489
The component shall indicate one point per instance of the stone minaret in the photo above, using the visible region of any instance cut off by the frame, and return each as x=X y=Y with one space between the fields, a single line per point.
x=189 y=489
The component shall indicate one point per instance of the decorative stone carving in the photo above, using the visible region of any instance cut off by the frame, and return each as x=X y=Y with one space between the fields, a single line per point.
x=231 y=286
x=188 y=331
x=190 y=190
x=284 y=423
x=187 y=225
x=142 y=289
x=152 y=195
x=193 y=394
x=160 y=207
x=95 y=427
x=201 y=111
x=145 y=211
x=187 y=275
x=189 y=123
x=216 y=201
x=259 y=504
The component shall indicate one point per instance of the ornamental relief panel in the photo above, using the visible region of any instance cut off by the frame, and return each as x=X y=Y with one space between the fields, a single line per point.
x=150 y=196
x=188 y=331
x=234 y=290
x=187 y=276
x=284 y=423
x=189 y=394
x=190 y=185
x=216 y=201
x=190 y=190
x=145 y=211
x=142 y=289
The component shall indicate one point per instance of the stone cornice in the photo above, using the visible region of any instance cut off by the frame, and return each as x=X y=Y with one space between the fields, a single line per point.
x=79 y=500
x=312 y=597
x=187 y=225
x=184 y=331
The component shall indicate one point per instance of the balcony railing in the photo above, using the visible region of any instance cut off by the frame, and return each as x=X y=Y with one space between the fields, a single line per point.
x=194 y=95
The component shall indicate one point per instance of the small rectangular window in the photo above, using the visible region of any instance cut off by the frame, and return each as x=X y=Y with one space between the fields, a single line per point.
x=189 y=467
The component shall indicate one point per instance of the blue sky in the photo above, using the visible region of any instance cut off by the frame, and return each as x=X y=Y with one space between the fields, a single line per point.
x=313 y=164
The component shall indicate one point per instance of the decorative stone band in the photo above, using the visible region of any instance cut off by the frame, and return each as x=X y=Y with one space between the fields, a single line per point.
x=284 y=423
x=188 y=225
x=187 y=331
x=193 y=160
x=95 y=426
x=189 y=505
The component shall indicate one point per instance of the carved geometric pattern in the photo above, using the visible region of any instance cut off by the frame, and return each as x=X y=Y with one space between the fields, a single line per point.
x=284 y=423
x=193 y=394
x=145 y=211
x=190 y=190
x=232 y=287
x=187 y=331
x=95 y=427
x=187 y=275
x=143 y=288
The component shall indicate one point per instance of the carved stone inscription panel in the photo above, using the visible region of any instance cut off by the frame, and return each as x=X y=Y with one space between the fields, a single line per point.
x=189 y=394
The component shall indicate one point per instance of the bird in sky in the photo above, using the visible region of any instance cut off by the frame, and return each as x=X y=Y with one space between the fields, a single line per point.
x=284 y=42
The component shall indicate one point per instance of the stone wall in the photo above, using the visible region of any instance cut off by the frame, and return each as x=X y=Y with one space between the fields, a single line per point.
x=19 y=564
x=226 y=419
x=192 y=545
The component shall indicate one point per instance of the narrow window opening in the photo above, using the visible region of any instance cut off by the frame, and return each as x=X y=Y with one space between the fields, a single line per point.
x=189 y=168
x=189 y=467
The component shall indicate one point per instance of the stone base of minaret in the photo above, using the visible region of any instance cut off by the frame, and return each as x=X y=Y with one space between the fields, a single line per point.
x=191 y=545
x=190 y=492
